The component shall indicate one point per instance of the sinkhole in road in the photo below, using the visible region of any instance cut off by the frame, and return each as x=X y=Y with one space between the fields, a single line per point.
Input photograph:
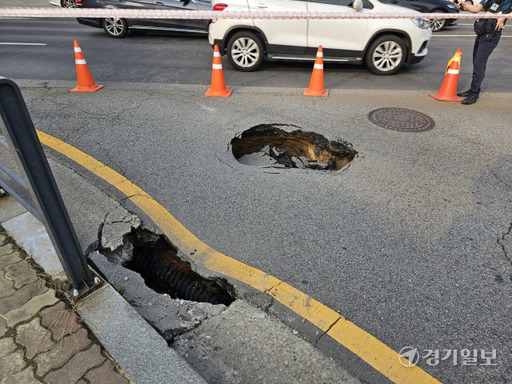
x=287 y=146
x=158 y=263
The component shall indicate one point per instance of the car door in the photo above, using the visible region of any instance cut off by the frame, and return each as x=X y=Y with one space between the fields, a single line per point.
x=203 y=5
x=178 y=5
x=140 y=5
x=284 y=36
x=347 y=36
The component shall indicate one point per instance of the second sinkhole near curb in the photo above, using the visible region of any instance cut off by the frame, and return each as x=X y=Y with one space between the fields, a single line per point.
x=270 y=145
x=164 y=272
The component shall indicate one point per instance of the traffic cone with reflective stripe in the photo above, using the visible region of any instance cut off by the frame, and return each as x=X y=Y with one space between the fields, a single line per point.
x=448 y=91
x=316 y=85
x=218 y=85
x=85 y=80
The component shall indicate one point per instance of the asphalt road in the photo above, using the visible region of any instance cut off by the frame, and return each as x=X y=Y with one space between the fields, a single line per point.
x=411 y=242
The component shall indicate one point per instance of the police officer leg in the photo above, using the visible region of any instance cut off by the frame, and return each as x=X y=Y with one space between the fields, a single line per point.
x=484 y=45
x=475 y=50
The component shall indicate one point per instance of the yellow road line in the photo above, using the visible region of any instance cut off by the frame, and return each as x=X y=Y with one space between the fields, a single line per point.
x=368 y=348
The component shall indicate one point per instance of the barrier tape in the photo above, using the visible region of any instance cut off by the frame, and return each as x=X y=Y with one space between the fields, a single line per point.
x=169 y=14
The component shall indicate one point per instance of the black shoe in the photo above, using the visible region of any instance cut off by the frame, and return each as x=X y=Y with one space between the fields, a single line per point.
x=464 y=93
x=470 y=99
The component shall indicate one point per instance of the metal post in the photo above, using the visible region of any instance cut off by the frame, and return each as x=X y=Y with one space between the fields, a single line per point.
x=37 y=190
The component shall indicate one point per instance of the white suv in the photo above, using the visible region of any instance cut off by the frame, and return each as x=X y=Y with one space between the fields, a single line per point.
x=385 y=45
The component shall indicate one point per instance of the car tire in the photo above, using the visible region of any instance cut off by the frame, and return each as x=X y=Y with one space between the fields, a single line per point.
x=245 y=51
x=115 y=27
x=386 y=55
x=437 y=24
x=68 y=3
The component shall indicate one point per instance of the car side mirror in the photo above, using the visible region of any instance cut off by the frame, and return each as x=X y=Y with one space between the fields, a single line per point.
x=357 y=5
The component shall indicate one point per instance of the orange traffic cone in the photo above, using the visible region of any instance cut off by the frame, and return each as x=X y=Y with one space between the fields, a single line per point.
x=85 y=80
x=448 y=91
x=316 y=85
x=218 y=87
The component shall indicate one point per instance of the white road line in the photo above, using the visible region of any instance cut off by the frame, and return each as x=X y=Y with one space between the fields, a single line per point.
x=16 y=18
x=8 y=43
x=473 y=35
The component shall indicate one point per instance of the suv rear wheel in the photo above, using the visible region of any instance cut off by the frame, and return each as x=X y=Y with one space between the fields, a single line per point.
x=115 y=27
x=386 y=55
x=245 y=51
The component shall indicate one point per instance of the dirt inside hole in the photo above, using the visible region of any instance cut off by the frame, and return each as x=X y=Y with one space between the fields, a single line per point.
x=164 y=272
x=271 y=145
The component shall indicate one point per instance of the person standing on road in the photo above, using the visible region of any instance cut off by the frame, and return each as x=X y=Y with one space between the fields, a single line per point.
x=488 y=33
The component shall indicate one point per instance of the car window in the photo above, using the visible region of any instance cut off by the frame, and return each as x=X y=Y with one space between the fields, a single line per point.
x=347 y=3
x=367 y=4
x=334 y=2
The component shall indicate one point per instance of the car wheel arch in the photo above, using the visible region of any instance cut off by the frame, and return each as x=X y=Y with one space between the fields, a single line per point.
x=400 y=34
x=236 y=29
x=129 y=22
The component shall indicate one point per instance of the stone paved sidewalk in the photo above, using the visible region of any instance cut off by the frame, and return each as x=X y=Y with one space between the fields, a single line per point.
x=41 y=339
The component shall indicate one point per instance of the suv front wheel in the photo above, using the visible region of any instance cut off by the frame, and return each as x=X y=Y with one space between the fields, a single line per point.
x=386 y=55
x=245 y=51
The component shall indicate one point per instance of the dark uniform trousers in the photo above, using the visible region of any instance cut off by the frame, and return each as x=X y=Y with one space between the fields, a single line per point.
x=484 y=45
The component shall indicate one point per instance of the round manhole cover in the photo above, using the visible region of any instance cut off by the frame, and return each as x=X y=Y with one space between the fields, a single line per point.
x=401 y=119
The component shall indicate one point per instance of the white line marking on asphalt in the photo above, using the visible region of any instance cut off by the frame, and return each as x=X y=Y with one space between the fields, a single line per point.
x=473 y=35
x=8 y=43
x=16 y=18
